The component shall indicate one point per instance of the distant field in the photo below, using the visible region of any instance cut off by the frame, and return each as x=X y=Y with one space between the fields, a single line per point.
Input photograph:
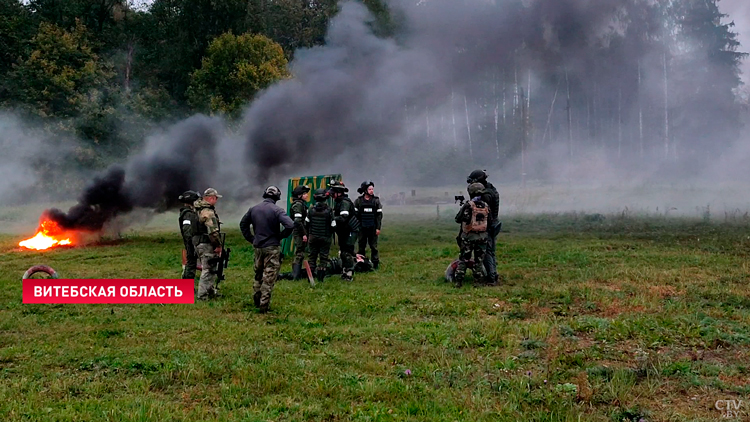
x=599 y=318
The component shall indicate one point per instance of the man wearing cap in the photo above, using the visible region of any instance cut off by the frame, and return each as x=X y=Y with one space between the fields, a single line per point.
x=265 y=219
x=300 y=195
x=188 y=224
x=207 y=241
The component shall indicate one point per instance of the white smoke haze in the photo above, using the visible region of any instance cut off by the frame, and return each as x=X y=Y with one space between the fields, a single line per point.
x=412 y=112
x=739 y=13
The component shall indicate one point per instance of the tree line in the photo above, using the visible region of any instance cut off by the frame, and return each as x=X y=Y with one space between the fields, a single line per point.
x=661 y=81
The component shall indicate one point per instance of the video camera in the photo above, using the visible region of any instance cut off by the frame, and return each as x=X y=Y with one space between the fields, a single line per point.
x=460 y=199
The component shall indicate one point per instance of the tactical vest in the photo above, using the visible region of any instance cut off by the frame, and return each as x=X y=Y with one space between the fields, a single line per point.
x=367 y=210
x=200 y=234
x=320 y=220
x=479 y=215
x=188 y=223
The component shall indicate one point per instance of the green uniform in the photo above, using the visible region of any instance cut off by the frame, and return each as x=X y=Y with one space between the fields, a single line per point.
x=207 y=239
x=320 y=225
x=299 y=213
x=188 y=224
x=347 y=227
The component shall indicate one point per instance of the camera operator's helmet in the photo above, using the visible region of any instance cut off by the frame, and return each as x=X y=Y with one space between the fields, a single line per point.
x=272 y=192
x=189 y=196
x=300 y=190
x=339 y=187
x=366 y=184
x=320 y=195
x=475 y=189
x=477 y=176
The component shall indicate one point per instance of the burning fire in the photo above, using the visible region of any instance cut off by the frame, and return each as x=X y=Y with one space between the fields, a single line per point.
x=48 y=235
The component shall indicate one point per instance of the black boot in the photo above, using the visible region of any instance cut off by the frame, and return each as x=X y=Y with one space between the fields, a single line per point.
x=296 y=271
x=375 y=265
x=320 y=274
x=256 y=299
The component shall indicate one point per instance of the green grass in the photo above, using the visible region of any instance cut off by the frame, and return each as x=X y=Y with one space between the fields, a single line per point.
x=598 y=319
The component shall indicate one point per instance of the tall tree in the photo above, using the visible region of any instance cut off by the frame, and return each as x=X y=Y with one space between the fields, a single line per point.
x=234 y=70
x=60 y=71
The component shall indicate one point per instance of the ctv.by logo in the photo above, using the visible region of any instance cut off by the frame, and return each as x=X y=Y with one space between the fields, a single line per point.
x=729 y=408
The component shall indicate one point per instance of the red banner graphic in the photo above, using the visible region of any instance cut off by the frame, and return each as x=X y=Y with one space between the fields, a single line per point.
x=108 y=291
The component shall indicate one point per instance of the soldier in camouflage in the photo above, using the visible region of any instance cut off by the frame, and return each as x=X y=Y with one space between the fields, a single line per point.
x=207 y=241
x=473 y=217
x=492 y=198
x=188 y=225
x=300 y=195
x=369 y=211
x=347 y=228
x=320 y=226
x=265 y=219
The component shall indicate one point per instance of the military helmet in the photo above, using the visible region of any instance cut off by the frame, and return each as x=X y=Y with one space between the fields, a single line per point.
x=475 y=189
x=320 y=195
x=338 y=186
x=366 y=184
x=272 y=192
x=189 y=196
x=477 y=176
x=300 y=190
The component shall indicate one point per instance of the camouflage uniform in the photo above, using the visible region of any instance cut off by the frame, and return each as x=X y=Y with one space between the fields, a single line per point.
x=471 y=243
x=369 y=211
x=320 y=225
x=267 y=265
x=347 y=227
x=188 y=221
x=207 y=240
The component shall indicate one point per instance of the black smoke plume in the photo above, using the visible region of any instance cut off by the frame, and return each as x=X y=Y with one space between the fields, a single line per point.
x=182 y=158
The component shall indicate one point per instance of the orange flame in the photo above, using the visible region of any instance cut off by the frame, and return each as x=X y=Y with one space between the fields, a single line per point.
x=48 y=235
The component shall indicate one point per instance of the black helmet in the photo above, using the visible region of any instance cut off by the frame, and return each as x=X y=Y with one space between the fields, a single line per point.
x=477 y=176
x=272 y=192
x=338 y=186
x=320 y=195
x=189 y=196
x=366 y=184
x=300 y=190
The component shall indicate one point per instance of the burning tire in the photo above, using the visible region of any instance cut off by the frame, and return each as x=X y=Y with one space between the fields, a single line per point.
x=40 y=269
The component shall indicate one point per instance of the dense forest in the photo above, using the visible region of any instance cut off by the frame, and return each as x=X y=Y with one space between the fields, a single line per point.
x=639 y=81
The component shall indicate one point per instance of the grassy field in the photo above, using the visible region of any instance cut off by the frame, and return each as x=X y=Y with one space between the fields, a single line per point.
x=615 y=318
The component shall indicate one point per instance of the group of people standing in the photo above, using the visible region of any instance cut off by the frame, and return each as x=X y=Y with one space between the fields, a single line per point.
x=353 y=223
x=313 y=229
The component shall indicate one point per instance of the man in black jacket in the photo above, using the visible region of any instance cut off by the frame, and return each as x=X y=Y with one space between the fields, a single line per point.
x=492 y=198
x=266 y=218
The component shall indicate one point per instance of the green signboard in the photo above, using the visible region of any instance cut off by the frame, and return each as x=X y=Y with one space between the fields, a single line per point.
x=314 y=182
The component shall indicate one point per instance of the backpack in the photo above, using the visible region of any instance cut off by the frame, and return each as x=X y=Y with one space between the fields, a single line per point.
x=478 y=220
